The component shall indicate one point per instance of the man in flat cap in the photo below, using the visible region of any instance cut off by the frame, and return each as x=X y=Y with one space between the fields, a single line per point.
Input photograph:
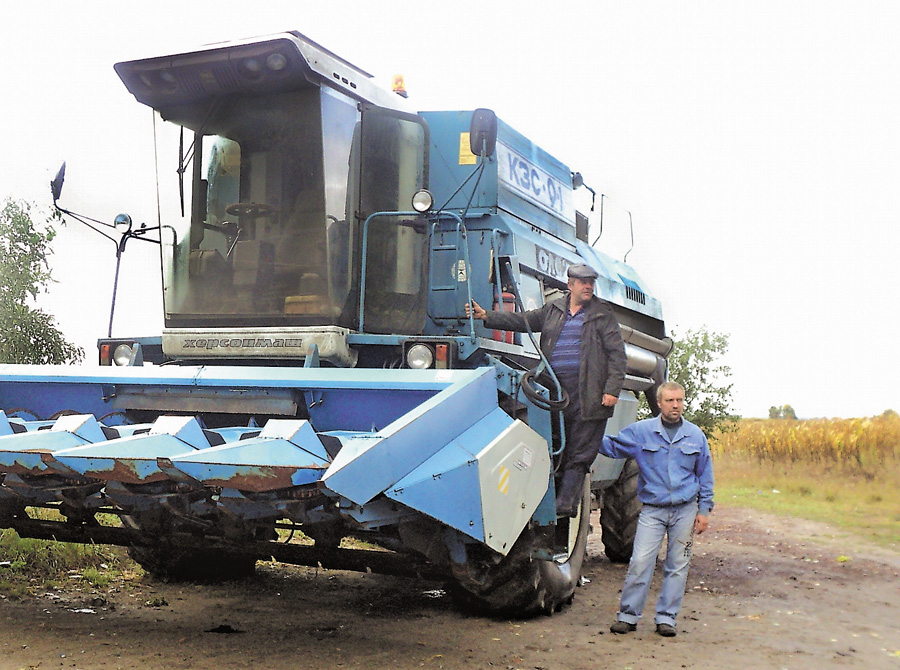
x=580 y=337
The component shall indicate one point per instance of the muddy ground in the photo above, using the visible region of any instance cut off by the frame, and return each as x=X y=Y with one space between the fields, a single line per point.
x=764 y=592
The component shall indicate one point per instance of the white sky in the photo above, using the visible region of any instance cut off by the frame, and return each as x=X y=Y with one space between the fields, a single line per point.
x=756 y=144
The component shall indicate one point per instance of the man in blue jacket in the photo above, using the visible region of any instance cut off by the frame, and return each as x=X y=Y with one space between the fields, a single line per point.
x=675 y=485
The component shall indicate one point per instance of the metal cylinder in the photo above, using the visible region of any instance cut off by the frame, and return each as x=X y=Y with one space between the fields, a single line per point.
x=640 y=361
x=662 y=347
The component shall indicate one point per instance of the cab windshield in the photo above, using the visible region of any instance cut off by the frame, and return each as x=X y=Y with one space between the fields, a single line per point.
x=272 y=235
x=268 y=240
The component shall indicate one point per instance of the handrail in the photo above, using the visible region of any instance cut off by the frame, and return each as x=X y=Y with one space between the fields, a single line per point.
x=495 y=248
x=460 y=232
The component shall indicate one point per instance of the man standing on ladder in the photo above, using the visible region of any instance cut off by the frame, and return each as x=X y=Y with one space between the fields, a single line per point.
x=580 y=337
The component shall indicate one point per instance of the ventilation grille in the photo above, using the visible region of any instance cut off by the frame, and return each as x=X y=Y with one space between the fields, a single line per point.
x=633 y=292
x=636 y=295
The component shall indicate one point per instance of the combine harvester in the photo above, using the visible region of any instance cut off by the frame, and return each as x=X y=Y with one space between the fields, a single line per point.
x=317 y=373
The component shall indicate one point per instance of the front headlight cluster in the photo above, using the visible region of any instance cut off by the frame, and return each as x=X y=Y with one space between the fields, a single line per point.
x=419 y=357
x=121 y=354
x=428 y=355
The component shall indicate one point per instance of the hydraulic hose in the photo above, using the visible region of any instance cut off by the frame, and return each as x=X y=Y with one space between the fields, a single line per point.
x=538 y=400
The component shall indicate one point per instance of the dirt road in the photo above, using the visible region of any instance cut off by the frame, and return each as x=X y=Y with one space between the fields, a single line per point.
x=764 y=593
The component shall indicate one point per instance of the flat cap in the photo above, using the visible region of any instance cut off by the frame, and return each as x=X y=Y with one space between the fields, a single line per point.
x=581 y=271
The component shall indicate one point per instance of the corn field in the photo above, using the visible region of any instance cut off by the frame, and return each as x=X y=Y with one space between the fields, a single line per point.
x=858 y=444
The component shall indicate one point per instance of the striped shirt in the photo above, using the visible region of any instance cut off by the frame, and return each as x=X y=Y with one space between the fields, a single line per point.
x=566 y=357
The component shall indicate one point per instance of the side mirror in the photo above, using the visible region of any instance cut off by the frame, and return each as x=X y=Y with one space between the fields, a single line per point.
x=577 y=180
x=483 y=132
x=57 y=183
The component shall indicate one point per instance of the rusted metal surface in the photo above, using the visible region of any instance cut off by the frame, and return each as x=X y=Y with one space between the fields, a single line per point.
x=260 y=478
x=127 y=470
x=28 y=462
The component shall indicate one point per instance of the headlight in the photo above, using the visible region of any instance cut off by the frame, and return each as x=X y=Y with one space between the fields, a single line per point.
x=276 y=62
x=422 y=201
x=419 y=357
x=122 y=354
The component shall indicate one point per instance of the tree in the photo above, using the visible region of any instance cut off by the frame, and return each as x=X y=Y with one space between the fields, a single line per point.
x=28 y=334
x=783 y=412
x=695 y=363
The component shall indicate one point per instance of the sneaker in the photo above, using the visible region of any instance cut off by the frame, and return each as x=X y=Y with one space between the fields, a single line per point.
x=622 y=627
x=666 y=630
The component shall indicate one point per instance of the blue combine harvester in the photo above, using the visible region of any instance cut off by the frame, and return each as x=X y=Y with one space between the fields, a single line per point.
x=317 y=372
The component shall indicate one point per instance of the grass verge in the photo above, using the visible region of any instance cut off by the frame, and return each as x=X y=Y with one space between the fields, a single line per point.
x=865 y=506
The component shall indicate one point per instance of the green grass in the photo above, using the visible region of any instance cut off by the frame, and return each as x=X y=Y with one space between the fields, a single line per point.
x=45 y=564
x=864 y=506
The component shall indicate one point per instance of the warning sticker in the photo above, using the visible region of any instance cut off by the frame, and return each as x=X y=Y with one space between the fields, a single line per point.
x=503 y=482
x=525 y=460
x=466 y=157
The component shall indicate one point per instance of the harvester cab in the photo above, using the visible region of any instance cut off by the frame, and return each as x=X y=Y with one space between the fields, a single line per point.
x=286 y=149
x=317 y=370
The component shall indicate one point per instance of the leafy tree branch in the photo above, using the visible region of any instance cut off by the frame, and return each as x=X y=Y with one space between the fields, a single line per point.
x=27 y=333
x=696 y=364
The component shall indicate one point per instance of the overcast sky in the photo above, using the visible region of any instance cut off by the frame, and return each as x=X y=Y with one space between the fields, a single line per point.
x=755 y=144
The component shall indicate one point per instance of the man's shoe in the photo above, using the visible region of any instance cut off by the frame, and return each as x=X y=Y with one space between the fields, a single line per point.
x=666 y=630
x=622 y=627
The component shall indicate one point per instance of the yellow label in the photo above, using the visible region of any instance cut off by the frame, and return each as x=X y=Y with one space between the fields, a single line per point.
x=503 y=484
x=466 y=157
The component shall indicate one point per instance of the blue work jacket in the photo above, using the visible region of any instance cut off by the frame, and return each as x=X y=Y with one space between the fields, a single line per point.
x=671 y=473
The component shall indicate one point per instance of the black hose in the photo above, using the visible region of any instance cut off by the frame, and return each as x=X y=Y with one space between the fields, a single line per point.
x=540 y=401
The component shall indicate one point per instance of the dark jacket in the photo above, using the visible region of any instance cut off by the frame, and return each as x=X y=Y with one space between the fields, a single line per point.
x=602 y=349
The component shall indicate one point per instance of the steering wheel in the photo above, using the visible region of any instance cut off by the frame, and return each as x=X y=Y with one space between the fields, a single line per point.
x=250 y=210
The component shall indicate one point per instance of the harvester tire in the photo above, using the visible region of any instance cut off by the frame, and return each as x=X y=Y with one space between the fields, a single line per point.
x=521 y=585
x=619 y=514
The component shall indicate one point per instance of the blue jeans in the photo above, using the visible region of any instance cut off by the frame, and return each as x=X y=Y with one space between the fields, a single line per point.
x=653 y=525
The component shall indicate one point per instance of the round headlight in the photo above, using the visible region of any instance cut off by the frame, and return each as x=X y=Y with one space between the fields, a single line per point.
x=276 y=62
x=122 y=354
x=251 y=69
x=419 y=357
x=422 y=200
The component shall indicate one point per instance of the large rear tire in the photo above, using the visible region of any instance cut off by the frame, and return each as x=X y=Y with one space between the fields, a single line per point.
x=521 y=585
x=619 y=514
